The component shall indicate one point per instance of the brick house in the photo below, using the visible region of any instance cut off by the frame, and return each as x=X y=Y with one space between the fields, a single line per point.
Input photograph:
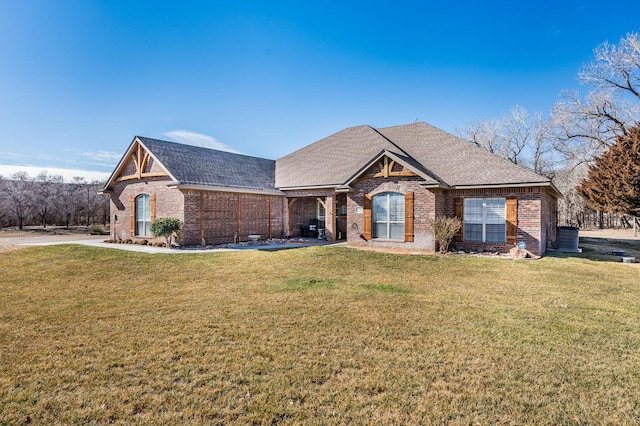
x=372 y=187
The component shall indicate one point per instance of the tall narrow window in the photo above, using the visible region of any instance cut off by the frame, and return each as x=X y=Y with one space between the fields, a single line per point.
x=143 y=215
x=485 y=220
x=388 y=216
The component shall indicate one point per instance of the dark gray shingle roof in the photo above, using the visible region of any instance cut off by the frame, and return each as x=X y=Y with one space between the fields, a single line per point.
x=203 y=166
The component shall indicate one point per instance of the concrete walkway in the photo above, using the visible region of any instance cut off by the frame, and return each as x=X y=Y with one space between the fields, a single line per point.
x=99 y=242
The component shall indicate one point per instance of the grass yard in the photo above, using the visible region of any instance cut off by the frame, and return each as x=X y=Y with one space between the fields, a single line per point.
x=320 y=335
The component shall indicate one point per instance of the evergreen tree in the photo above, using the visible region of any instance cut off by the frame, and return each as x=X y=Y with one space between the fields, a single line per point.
x=613 y=182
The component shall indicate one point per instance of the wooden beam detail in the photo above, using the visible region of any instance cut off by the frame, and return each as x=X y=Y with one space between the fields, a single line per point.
x=201 y=215
x=386 y=169
x=142 y=175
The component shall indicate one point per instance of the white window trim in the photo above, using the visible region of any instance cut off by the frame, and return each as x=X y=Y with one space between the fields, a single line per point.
x=484 y=219
x=138 y=221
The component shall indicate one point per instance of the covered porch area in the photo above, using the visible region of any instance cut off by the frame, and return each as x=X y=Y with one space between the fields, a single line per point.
x=317 y=214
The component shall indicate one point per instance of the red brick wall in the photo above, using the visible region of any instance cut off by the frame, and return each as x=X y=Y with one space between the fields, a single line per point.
x=223 y=217
x=426 y=202
x=536 y=208
x=549 y=219
x=169 y=203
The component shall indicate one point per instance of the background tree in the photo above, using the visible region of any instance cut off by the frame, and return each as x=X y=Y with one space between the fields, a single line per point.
x=45 y=190
x=613 y=182
x=587 y=126
x=18 y=190
x=518 y=136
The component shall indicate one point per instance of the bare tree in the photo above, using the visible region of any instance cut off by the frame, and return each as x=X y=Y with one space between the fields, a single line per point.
x=585 y=127
x=571 y=206
x=45 y=188
x=517 y=136
x=18 y=191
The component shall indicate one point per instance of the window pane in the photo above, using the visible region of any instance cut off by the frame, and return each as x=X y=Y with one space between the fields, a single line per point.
x=142 y=208
x=473 y=232
x=396 y=205
x=496 y=233
x=380 y=230
x=495 y=210
x=380 y=211
x=397 y=231
x=473 y=208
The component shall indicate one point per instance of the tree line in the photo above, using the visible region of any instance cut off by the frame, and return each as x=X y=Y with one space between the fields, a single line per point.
x=567 y=143
x=47 y=199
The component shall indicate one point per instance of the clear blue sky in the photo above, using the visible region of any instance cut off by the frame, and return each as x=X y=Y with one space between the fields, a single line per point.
x=78 y=79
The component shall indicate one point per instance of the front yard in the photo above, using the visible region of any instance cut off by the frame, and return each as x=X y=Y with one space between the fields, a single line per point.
x=319 y=335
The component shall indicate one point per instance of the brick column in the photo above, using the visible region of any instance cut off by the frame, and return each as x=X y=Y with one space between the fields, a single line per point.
x=330 y=217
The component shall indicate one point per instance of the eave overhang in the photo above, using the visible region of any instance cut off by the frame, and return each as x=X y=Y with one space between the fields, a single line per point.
x=212 y=188
x=545 y=184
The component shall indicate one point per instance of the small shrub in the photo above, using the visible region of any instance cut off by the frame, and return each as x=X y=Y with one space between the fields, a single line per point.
x=166 y=227
x=444 y=229
x=96 y=230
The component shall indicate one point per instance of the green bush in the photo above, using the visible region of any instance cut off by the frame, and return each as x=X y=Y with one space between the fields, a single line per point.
x=166 y=227
x=96 y=230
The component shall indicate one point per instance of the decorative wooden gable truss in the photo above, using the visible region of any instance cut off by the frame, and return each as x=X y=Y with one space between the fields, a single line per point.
x=139 y=156
x=388 y=169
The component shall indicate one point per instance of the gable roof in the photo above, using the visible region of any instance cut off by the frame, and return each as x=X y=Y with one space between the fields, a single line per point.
x=448 y=160
x=332 y=160
x=189 y=165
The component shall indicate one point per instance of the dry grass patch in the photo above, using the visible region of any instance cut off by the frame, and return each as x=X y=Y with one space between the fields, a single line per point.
x=316 y=335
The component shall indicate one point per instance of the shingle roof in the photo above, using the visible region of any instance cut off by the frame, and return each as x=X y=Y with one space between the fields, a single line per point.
x=203 y=166
x=332 y=160
x=449 y=160
x=455 y=161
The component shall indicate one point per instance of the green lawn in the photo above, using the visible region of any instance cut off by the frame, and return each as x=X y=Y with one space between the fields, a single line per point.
x=319 y=335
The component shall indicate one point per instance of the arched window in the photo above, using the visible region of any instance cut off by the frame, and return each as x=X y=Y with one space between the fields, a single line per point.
x=143 y=215
x=388 y=216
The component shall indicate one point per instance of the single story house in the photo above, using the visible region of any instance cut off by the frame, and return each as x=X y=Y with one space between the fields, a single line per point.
x=371 y=187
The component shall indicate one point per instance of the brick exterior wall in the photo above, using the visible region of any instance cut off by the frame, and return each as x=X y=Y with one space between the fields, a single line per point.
x=549 y=219
x=218 y=217
x=426 y=201
x=169 y=203
x=224 y=217
x=537 y=210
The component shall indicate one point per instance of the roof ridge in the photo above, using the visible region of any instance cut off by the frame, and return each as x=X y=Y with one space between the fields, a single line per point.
x=143 y=138
x=392 y=142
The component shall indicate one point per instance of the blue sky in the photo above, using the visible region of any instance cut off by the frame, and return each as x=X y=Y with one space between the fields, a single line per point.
x=78 y=79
